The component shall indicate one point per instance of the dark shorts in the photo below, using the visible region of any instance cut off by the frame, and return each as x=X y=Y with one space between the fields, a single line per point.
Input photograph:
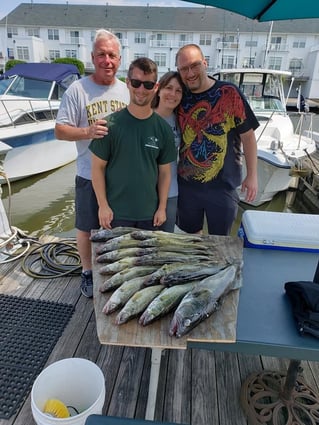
x=143 y=224
x=86 y=207
x=219 y=204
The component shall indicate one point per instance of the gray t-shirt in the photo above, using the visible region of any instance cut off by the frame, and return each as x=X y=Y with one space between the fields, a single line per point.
x=172 y=121
x=82 y=104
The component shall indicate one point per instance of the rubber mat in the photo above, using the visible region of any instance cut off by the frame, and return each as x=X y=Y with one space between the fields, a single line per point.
x=29 y=329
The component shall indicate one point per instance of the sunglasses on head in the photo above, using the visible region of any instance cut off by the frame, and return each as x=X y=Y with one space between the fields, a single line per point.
x=148 y=85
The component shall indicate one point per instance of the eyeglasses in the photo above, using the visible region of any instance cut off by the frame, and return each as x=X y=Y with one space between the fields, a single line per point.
x=148 y=85
x=192 y=67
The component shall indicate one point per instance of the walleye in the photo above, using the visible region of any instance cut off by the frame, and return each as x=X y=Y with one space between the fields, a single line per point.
x=119 y=254
x=204 y=299
x=186 y=274
x=124 y=241
x=165 y=302
x=117 y=279
x=137 y=303
x=104 y=235
x=147 y=234
x=123 y=294
x=152 y=259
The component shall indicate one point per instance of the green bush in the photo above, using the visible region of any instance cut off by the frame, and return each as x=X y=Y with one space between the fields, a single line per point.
x=79 y=64
x=11 y=63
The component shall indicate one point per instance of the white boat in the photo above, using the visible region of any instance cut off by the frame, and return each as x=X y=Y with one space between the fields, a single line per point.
x=280 y=149
x=30 y=95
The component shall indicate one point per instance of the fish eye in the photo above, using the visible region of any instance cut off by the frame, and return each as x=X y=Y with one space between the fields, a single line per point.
x=187 y=323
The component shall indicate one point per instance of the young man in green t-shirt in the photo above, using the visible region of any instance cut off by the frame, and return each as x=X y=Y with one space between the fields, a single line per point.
x=131 y=164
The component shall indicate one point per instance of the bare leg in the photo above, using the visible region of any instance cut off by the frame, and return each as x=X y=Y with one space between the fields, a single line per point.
x=84 y=248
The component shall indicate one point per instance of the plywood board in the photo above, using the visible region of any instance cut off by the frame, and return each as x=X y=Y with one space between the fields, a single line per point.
x=219 y=327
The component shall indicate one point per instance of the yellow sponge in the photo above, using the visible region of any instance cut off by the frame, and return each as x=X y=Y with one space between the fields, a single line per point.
x=56 y=409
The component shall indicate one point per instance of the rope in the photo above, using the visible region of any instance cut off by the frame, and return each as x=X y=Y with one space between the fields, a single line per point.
x=54 y=259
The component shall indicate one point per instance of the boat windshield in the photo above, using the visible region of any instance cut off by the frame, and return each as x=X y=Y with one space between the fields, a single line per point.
x=263 y=90
x=37 y=89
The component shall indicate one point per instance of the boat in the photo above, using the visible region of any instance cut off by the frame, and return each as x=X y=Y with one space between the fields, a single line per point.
x=30 y=95
x=280 y=149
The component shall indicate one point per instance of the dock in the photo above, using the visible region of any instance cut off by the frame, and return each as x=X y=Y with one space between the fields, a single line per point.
x=196 y=387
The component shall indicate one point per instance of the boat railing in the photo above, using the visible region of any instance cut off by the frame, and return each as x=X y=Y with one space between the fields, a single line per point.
x=17 y=111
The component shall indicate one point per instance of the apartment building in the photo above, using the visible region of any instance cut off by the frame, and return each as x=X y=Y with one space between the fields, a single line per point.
x=43 y=32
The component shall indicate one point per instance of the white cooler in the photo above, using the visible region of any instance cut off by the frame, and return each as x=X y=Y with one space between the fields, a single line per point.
x=276 y=230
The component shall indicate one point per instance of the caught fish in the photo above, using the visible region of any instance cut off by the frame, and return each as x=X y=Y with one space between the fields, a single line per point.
x=137 y=303
x=119 y=254
x=123 y=294
x=104 y=235
x=118 y=243
x=204 y=299
x=174 y=245
x=147 y=234
x=117 y=279
x=190 y=272
x=164 y=270
x=159 y=258
x=165 y=302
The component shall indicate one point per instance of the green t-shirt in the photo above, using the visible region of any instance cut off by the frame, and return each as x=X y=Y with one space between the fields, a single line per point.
x=133 y=149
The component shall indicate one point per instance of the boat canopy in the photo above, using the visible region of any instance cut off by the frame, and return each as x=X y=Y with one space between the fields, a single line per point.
x=43 y=71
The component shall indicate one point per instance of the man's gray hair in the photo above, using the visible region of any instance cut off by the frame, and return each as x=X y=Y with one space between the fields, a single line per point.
x=105 y=34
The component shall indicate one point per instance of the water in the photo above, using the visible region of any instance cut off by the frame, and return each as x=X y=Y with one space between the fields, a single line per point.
x=44 y=204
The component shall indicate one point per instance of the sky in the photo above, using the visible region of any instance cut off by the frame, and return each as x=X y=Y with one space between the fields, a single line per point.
x=7 y=6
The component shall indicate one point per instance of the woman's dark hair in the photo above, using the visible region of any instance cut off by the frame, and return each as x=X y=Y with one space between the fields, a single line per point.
x=163 y=82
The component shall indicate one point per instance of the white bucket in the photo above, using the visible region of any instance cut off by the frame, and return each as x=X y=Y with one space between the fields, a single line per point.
x=76 y=382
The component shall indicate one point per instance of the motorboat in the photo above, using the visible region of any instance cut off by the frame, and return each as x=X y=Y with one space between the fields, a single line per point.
x=281 y=149
x=30 y=95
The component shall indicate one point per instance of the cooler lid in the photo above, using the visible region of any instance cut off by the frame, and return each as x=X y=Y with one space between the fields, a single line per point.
x=281 y=229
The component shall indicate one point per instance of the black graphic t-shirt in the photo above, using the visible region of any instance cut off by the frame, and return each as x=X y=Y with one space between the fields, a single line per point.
x=211 y=123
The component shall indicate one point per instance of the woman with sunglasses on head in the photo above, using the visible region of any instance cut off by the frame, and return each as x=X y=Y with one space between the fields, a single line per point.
x=165 y=102
x=131 y=170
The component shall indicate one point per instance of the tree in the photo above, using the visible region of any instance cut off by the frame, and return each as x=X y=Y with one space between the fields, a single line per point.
x=79 y=64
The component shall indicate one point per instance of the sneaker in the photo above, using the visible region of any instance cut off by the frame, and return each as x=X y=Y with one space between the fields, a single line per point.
x=87 y=284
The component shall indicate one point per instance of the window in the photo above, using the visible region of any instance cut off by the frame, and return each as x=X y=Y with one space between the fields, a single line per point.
x=160 y=40
x=33 y=32
x=228 y=61
x=299 y=44
x=53 y=34
x=205 y=39
x=296 y=66
x=251 y=43
x=12 y=31
x=75 y=37
x=23 y=53
x=185 y=39
x=160 y=59
x=140 y=38
x=54 y=54
x=249 y=62
x=10 y=53
x=119 y=35
x=274 y=63
x=70 y=53
x=229 y=38
x=139 y=55
x=207 y=59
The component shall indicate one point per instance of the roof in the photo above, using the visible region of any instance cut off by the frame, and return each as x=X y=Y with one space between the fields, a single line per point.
x=43 y=71
x=147 y=18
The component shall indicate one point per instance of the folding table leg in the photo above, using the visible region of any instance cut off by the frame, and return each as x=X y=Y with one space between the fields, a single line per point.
x=152 y=389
